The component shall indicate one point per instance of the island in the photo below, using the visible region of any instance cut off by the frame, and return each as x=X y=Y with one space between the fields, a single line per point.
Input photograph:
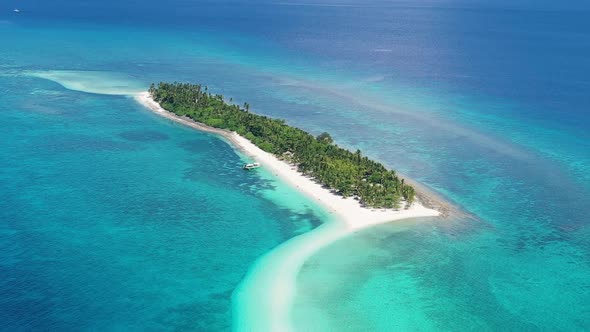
x=356 y=191
x=345 y=173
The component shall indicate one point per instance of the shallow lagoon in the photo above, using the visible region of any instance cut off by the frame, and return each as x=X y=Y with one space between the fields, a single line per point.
x=117 y=219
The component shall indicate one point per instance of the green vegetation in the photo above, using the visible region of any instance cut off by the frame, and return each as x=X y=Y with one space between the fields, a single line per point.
x=347 y=173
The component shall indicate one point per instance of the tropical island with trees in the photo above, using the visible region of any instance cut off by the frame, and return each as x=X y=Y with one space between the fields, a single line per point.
x=349 y=174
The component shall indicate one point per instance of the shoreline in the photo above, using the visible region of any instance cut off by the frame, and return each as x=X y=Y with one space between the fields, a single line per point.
x=263 y=300
x=347 y=210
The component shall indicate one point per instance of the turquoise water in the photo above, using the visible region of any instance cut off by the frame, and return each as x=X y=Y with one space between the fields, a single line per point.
x=426 y=276
x=486 y=104
x=115 y=219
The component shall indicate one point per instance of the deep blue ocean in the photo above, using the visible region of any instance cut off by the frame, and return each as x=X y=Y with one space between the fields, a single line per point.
x=116 y=219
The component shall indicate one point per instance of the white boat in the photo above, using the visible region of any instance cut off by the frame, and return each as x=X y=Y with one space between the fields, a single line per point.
x=251 y=166
x=16 y=10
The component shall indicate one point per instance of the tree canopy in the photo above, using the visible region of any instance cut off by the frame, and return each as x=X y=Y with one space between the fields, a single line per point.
x=347 y=173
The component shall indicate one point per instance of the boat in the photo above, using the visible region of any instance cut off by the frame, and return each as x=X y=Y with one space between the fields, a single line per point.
x=251 y=166
x=16 y=10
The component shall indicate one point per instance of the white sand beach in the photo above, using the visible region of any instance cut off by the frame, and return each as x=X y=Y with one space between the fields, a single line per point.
x=263 y=300
x=346 y=210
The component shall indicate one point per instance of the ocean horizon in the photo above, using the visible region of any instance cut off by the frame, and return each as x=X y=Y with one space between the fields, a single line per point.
x=118 y=219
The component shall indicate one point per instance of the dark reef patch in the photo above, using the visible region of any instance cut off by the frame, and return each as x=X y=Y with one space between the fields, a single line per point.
x=143 y=136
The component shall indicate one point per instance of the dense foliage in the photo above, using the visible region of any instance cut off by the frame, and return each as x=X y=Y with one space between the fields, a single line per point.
x=347 y=173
